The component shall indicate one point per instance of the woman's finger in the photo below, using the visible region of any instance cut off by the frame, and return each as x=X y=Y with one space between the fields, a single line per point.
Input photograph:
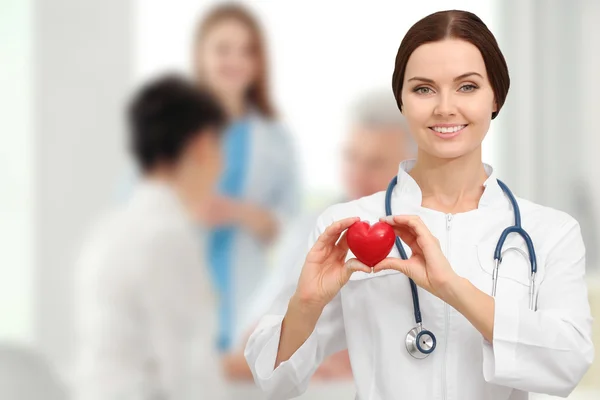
x=342 y=244
x=406 y=235
x=333 y=231
x=403 y=231
x=397 y=264
x=353 y=265
x=414 y=223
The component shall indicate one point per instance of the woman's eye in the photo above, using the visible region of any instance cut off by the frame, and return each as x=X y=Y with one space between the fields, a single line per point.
x=422 y=90
x=468 y=88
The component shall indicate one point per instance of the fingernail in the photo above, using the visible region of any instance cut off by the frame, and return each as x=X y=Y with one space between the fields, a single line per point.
x=351 y=264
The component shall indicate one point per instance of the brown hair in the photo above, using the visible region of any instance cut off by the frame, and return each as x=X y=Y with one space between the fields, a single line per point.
x=454 y=24
x=258 y=93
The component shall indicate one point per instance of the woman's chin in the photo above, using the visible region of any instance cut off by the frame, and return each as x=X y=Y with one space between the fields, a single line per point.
x=448 y=151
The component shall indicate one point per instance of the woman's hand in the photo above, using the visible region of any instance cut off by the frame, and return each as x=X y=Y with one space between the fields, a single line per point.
x=323 y=275
x=427 y=266
x=325 y=270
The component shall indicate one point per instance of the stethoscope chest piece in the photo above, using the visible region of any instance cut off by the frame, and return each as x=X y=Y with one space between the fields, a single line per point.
x=420 y=342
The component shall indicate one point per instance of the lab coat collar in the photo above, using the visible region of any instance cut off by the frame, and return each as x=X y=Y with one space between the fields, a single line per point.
x=153 y=194
x=411 y=192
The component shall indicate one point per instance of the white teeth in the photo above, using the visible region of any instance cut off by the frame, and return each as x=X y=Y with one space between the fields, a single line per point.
x=450 y=129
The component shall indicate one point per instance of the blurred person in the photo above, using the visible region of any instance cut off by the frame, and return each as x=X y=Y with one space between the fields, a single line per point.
x=259 y=189
x=499 y=280
x=377 y=141
x=143 y=299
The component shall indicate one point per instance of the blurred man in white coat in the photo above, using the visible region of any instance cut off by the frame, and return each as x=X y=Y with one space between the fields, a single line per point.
x=145 y=308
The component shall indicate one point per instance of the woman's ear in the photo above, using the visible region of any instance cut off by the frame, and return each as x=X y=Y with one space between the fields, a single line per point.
x=495 y=109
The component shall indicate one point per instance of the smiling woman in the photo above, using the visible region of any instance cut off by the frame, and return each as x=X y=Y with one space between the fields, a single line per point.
x=450 y=210
x=451 y=80
x=446 y=98
x=440 y=26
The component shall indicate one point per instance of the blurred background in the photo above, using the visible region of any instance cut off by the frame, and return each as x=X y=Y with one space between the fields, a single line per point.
x=68 y=66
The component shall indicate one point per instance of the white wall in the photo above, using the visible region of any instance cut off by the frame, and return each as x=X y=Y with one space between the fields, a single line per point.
x=590 y=129
x=16 y=171
x=550 y=140
x=83 y=71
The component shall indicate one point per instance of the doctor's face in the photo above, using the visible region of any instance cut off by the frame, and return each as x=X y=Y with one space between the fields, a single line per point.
x=447 y=98
x=370 y=159
x=227 y=58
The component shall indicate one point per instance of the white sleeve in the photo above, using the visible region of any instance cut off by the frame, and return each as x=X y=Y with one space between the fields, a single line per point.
x=548 y=350
x=174 y=293
x=291 y=377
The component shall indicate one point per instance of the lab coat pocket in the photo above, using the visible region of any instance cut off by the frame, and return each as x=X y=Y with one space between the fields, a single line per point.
x=515 y=266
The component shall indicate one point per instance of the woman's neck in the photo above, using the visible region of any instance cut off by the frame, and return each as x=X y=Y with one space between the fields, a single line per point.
x=450 y=185
x=235 y=105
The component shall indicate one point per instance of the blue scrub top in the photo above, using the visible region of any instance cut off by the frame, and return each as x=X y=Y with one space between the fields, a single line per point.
x=220 y=241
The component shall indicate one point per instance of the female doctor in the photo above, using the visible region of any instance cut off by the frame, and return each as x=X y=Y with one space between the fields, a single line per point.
x=449 y=210
x=259 y=187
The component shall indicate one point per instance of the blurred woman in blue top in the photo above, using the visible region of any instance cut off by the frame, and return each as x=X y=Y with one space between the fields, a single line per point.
x=259 y=188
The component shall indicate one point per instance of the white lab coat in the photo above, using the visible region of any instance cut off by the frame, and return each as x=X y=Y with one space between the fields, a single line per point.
x=544 y=351
x=146 y=318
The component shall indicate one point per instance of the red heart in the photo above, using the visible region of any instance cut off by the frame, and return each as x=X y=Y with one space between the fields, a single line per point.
x=370 y=244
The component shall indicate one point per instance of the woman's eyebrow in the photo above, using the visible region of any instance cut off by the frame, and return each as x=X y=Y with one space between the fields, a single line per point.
x=427 y=80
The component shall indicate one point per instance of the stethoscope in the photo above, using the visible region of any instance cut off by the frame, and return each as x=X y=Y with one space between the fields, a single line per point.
x=419 y=341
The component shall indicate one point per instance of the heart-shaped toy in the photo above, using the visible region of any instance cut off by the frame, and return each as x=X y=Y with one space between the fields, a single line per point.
x=370 y=244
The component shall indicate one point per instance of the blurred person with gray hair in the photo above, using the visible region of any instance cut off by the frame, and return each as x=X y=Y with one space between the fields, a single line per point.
x=378 y=139
x=144 y=301
x=376 y=142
